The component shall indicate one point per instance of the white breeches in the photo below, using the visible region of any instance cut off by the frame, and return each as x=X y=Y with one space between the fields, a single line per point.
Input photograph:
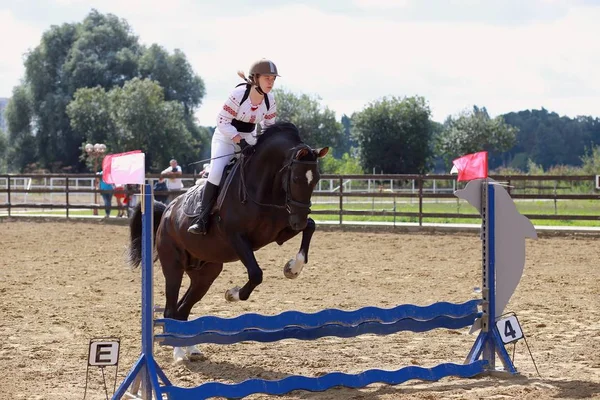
x=220 y=148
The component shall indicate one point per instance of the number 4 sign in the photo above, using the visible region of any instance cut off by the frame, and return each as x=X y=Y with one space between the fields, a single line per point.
x=509 y=329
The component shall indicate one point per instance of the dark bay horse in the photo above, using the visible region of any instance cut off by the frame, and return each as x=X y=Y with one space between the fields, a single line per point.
x=268 y=200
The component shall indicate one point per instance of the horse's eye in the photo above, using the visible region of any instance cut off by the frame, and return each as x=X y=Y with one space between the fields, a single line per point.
x=295 y=179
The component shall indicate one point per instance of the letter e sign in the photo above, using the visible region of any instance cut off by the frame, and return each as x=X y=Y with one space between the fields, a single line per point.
x=103 y=353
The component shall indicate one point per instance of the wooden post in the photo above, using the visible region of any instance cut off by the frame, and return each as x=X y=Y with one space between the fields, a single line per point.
x=8 y=191
x=341 y=198
x=67 y=194
x=95 y=212
x=420 y=179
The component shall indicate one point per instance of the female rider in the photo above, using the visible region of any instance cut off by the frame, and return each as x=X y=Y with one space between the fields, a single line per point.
x=249 y=103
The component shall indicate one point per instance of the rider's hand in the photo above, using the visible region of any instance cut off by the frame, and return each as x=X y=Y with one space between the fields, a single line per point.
x=236 y=139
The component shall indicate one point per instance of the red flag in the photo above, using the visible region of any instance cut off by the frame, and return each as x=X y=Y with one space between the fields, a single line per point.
x=472 y=166
x=123 y=168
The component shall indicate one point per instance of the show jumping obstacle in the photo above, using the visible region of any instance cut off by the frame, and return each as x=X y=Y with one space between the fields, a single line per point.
x=146 y=377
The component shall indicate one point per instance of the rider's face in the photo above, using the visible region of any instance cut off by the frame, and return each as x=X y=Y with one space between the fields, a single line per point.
x=266 y=82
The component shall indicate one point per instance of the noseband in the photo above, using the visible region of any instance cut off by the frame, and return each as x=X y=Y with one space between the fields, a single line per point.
x=289 y=201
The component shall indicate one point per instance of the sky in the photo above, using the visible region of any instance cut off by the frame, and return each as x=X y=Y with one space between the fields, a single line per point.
x=505 y=55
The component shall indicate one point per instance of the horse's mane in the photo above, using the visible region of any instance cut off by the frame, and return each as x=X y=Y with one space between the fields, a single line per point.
x=280 y=128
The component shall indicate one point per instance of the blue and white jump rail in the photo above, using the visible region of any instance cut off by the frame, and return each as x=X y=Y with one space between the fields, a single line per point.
x=146 y=378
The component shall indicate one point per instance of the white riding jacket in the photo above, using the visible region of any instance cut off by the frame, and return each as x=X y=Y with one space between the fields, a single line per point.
x=246 y=112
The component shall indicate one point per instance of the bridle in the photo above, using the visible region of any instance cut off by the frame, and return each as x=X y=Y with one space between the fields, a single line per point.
x=289 y=201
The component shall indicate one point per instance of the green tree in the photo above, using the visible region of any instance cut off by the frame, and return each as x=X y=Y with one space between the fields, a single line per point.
x=474 y=131
x=21 y=150
x=549 y=139
x=348 y=143
x=145 y=121
x=90 y=115
x=346 y=165
x=394 y=135
x=3 y=152
x=174 y=73
x=100 y=52
x=105 y=52
x=316 y=123
x=591 y=161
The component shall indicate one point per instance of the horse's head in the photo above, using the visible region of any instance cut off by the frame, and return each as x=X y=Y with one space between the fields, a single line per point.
x=300 y=181
x=297 y=171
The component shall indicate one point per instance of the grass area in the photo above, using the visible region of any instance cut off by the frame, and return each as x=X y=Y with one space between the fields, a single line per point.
x=540 y=207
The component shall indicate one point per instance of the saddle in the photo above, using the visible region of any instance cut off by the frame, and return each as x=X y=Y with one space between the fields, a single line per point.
x=193 y=197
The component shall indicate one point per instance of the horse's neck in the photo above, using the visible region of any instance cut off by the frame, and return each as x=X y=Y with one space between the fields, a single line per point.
x=265 y=171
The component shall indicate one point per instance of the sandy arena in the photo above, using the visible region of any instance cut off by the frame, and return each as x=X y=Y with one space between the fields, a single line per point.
x=62 y=284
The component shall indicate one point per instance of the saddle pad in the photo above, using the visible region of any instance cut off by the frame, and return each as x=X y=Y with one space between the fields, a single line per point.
x=193 y=197
x=192 y=200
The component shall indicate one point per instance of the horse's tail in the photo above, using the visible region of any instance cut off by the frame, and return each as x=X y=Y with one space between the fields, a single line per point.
x=135 y=229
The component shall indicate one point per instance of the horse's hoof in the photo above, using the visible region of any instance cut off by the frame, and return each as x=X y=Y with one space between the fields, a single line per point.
x=193 y=354
x=179 y=354
x=233 y=294
x=287 y=270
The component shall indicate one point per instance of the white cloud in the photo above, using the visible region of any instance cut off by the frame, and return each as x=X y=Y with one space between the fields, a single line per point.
x=381 y=4
x=17 y=38
x=350 y=59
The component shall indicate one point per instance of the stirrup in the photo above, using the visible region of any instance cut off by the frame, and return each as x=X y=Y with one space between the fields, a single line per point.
x=199 y=227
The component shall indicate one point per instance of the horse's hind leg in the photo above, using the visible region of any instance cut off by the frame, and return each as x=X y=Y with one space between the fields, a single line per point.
x=172 y=261
x=294 y=266
x=201 y=279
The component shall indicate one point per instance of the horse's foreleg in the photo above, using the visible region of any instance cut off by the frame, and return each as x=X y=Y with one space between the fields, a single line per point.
x=294 y=266
x=243 y=248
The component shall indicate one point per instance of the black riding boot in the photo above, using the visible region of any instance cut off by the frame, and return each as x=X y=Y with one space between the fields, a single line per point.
x=200 y=223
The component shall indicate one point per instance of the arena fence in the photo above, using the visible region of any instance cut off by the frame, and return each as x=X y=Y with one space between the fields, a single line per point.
x=337 y=198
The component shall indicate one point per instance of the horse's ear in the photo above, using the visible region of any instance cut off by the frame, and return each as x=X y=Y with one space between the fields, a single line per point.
x=303 y=152
x=322 y=152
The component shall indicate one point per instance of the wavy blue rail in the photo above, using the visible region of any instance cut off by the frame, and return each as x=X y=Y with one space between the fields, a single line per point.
x=315 y=333
x=316 y=320
x=325 y=382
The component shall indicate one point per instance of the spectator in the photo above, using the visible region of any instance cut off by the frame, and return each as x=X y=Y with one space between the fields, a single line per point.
x=174 y=184
x=161 y=186
x=120 y=197
x=131 y=199
x=106 y=196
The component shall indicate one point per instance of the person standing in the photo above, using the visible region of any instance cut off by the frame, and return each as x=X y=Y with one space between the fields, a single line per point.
x=107 y=194
x=174 y=183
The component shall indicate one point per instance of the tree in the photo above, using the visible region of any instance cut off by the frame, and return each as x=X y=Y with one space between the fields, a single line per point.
x=475 y=131
x=394 y=135
x=105 y=52
x=90 y=115
x=174 y=73
x=348 y=143
x=143 y=120
x=3 y=151
x=100 y=53
x=549 y=139
x=317 y=124
x=21 y=150
x=346 y=165
x=591 y=161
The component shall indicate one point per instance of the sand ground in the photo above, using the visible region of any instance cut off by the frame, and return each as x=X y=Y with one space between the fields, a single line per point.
x=63 y=283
